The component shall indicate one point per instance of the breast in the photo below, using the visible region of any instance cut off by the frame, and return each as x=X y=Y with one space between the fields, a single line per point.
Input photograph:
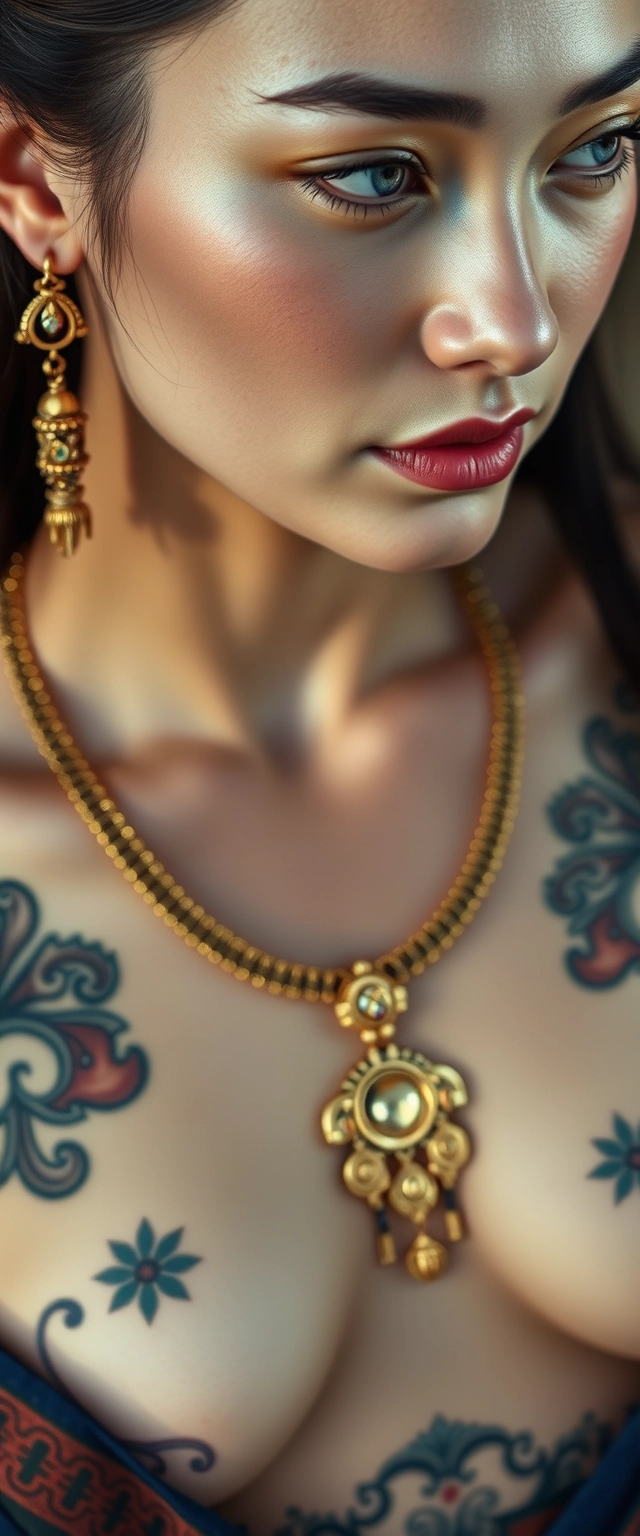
x=293 y=1353
x=208 y=1268
x=556 y=1067
x=533 y=1329
x=289 y=1322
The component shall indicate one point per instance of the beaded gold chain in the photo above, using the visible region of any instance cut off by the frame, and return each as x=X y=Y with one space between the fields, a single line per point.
x=395 y=1103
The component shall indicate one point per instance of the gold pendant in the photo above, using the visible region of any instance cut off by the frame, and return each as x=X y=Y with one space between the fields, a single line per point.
x=394 y=1105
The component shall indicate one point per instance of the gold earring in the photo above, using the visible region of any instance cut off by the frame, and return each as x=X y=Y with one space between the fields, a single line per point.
x=52 y=321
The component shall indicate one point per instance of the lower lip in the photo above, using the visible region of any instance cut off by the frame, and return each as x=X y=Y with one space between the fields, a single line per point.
x=459 y=466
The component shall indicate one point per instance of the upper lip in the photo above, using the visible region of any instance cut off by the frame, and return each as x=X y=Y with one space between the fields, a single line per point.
x=475 y=429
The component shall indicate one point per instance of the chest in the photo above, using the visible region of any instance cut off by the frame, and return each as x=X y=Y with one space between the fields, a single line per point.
x=163 y=1163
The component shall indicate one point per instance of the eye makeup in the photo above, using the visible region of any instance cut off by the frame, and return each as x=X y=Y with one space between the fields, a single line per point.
x=612 y=154
x=379 y=186
x=391 y=183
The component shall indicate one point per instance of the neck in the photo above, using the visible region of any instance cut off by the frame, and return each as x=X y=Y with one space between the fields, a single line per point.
x=189 y=614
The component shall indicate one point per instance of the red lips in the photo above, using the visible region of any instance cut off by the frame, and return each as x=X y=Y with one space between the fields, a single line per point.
x=465 y=456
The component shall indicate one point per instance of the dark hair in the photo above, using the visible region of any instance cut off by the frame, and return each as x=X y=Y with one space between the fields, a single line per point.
x=75 y=71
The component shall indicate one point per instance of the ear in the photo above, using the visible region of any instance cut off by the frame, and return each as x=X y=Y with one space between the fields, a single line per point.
x=29 y=211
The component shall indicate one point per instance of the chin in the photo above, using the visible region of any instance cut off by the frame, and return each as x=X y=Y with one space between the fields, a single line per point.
x=429 y=534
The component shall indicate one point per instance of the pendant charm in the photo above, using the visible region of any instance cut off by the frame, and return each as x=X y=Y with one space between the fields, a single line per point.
x=393 y=1106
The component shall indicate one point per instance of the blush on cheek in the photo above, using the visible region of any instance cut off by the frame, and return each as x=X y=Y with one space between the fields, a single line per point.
x=249 y=312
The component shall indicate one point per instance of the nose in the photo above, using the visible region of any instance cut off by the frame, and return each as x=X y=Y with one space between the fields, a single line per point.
x=493 y=306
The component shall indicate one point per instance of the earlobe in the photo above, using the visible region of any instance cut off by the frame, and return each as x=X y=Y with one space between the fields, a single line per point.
x=30 y=212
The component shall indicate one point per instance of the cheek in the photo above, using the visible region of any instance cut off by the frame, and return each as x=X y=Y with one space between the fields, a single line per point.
x=587 y=268
x=260 y=329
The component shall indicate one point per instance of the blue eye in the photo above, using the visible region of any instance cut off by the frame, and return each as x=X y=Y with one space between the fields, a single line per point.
x=595 y=155
x=370 y=181
x=377 y=188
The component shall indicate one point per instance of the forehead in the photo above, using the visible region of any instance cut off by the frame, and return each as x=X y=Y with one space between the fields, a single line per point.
x=500 y=49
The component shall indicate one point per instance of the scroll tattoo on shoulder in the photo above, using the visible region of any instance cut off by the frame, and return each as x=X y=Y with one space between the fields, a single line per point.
x=61 y=1057
x=596 y=885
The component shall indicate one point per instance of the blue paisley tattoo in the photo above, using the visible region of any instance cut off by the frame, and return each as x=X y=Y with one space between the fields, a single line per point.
x=52 y=997
x=440 y=1484
x=596 y=885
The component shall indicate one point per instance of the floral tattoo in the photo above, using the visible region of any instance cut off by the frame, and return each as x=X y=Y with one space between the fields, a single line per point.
x=148 y=1271
x=621 y=1158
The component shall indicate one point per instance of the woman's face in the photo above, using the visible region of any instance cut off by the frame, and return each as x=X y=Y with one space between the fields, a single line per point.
x=423 y=229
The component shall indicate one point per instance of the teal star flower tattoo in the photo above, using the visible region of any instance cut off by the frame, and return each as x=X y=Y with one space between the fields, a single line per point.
x=621 y=1158
x=148 y=1270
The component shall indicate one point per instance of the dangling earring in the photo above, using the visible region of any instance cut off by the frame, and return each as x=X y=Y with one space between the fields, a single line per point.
x=52 y=321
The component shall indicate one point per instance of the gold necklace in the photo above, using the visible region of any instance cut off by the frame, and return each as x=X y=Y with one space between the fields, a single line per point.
x=395 y=1103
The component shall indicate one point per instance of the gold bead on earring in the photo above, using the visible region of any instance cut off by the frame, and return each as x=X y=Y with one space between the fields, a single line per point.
x=52 y=321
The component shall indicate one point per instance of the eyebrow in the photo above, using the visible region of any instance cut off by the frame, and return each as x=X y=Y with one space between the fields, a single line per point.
x=351 y=92
x=621 y=75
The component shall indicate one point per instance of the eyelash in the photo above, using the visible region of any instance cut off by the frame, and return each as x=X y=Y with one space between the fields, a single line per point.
x=312 y=185
x=607 y=178
x=332 y=200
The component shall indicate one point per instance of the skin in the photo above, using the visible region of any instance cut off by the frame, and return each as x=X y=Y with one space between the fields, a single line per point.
x=261 y=649
x=492 y=285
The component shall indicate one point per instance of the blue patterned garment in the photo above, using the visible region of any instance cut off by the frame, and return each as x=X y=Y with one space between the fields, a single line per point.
x=609 y=1504
x=61 y=1474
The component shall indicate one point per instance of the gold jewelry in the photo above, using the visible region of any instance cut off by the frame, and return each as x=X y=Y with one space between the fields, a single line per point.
x=49 y=322
x=395 y=1103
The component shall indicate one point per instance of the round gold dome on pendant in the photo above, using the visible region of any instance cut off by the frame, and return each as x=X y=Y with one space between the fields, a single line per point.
x=394 y=1105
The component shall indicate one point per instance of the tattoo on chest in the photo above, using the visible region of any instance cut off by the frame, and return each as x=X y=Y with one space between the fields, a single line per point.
x=60 y=1048
x=443 y=1484
x=621 y=1158
x=148 y=1271
x=160 y=1457
x=595 y=886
